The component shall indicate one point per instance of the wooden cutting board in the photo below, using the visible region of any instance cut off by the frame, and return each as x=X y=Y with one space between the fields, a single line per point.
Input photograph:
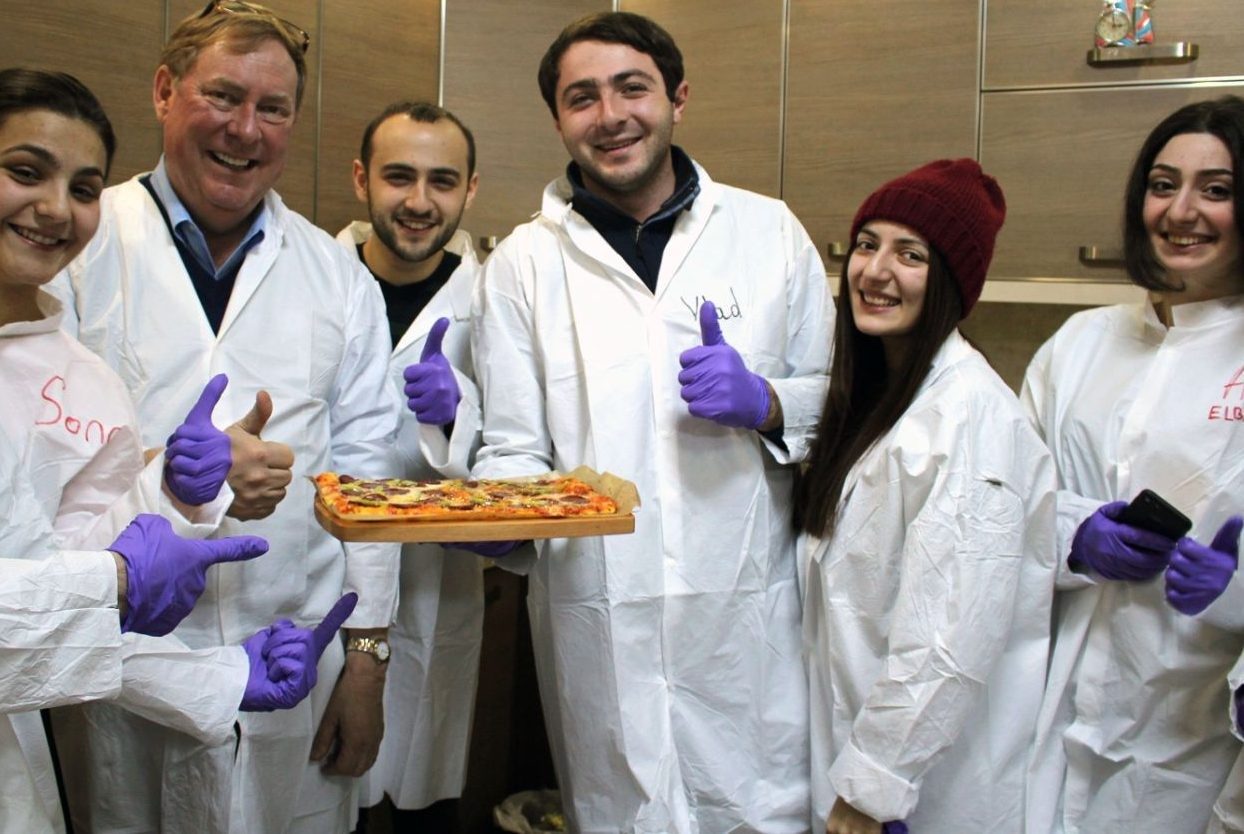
x=404 y=530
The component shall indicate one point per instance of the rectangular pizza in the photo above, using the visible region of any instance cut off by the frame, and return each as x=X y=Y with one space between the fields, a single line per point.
x=394 y=499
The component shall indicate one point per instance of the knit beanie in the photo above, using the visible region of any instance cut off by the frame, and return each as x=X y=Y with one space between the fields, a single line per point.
x=955 y=206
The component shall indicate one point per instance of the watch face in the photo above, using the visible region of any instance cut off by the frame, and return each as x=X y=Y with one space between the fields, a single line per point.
x=1114 y=25
x=382 y=650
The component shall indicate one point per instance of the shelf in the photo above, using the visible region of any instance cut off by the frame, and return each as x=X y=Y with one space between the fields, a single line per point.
x=1049 y=291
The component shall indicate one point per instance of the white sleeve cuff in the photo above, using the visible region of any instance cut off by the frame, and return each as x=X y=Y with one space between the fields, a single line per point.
x=870 y=788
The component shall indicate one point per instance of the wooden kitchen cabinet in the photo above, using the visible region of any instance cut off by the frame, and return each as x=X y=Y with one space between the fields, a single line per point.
x=873 y=90
x=733 y=121
x=1045 y=45
x=1062 y=158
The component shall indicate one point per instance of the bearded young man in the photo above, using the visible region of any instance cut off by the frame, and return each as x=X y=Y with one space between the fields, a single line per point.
x=416 y=175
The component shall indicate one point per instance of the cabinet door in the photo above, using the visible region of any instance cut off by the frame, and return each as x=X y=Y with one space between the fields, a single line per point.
x=1043 y=44
x=492 y=52
x=87 y=38
x=1062 y=158
x=365 y=68
x=733 y=121
x=873 y=90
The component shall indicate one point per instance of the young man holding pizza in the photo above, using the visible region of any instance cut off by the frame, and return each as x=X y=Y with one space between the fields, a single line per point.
x=674 y=331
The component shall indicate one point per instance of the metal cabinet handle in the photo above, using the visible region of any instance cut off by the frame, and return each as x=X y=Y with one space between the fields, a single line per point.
x=837 y=249
x=1180 y=52
x=489 y=242
x=1101 y=255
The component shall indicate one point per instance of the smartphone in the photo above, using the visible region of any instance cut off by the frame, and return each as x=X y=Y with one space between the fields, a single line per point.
x=1150 y=511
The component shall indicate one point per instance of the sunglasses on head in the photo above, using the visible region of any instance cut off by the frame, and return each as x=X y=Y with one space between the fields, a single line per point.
x=241 y=7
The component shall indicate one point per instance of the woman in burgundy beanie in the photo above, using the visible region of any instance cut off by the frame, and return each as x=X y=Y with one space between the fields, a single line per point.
x=927 y=514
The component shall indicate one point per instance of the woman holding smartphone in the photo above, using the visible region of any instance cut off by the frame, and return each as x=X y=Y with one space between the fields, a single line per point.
x=927 y=510
x=1133 y=733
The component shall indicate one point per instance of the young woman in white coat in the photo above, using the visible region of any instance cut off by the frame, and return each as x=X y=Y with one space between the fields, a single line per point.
x=927 y=513
x=72 y=476
x=1134 y=735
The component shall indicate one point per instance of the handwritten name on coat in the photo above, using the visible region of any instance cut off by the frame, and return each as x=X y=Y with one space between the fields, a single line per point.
x=87 y=428
x=723 y=312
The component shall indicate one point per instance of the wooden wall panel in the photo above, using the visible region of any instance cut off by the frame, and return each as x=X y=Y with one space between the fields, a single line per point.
x=375 y=52
x=873 y=90
x=297 y=185
x=492 y=51
x=85 y=38
x=732 y=53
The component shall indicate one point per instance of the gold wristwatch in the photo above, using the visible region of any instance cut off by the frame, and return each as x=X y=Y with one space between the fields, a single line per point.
x=377 y=647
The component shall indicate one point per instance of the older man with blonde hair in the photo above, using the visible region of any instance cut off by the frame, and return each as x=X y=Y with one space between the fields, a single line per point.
x=200 y=268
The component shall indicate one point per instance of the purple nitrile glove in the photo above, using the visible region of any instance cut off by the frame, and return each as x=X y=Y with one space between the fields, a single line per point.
x=283 y=659
x=166 y=574
x=894 y=827
x=716 y=384
x=197 y=456
x=431 y=389
x=1119 y=551
x=1239 y=709
x=490 y=550
x=1197 y=574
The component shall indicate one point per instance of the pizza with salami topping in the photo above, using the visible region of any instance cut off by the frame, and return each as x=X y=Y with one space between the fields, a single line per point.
x=556 y=496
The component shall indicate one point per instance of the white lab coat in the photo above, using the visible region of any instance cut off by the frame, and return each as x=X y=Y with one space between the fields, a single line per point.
x=926 y=615
x=59 y=641
x=1228 y=816
x=668 y=660
x=430 y=687
x=70 y=465
x=306 y=323
x=1132 y=735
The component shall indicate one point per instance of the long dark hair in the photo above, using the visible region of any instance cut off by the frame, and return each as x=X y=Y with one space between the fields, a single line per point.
x=26 y=89
x=864 y=401
x=1222 y=118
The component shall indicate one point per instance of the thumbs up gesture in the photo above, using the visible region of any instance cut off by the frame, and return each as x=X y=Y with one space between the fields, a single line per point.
x=283 y=659
x=431 y=389
x=261 y=469
x=716 y=385
x=197 y=455
x=1197 y=575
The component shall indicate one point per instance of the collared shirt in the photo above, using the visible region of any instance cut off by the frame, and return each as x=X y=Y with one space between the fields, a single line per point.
x=641 y=245
x=192 y=237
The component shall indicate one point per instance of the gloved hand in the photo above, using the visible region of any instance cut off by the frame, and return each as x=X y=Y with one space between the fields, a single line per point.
x=894 y=827
x=716 y=384
x=283 y=659
x=197 y=455
x=166 y=574
x=1119 y=551
x=491 y=550
x=431 y=389
x=1197 y=574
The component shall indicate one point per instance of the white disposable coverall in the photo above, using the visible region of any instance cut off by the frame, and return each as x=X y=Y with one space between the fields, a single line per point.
x=429 y=693
x=1132 y=734
x=306 y=323
x=668 y=660
x=926 y=615
x=70 y=465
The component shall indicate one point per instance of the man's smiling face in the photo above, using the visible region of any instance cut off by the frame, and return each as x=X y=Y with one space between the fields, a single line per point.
x=227 y=125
